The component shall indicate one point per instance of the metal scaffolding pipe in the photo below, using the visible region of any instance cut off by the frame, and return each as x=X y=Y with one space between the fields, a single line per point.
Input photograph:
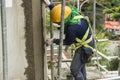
x=94 y=29
x=78 y=4
x=82 y=5
x=101 y=54
x=4 y=40
x=112 y=78
x=94 y=20
x=119 y=60
x=61 y=39
x=103 y=68
x=52 y=50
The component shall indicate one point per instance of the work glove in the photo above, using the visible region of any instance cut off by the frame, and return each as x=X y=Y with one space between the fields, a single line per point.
x=49 y=41
x=47 y=2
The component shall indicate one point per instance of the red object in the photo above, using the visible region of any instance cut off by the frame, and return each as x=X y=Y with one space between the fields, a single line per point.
x=112 y=25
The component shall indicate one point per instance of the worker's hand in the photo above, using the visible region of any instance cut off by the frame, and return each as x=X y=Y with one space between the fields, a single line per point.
x=49 y=41
x=47 y=2
x=89 y=58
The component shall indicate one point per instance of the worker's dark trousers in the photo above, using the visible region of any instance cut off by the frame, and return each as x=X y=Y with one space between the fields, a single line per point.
x=77 y=66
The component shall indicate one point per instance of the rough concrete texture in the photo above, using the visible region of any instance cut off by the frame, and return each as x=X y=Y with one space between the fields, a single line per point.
x=29 y=71
x=34 y=23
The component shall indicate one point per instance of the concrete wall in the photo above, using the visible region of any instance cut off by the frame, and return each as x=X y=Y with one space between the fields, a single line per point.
x=15 y=42
x=25 y=41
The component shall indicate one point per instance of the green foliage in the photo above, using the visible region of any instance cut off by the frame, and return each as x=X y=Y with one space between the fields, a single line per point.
x=108 y=35
x=115 y=16
x=100 y=32
x=48 y=23
x=107 y=11
x=114 y=12
x=113 y=8
x=113 y=65
x=101 y=46
x=87 y=7
x=109 y=3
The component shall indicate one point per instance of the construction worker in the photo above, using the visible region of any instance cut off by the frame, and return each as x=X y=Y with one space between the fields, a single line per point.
x=77 y=34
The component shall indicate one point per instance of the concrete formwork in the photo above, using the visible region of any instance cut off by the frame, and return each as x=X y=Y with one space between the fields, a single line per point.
x=25 y=41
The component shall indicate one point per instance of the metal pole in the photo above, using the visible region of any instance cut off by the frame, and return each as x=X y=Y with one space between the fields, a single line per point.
x=94 y=29
x=119 y=61
x=61 y=39
x=52 y=50
x=82 y=5
x=94 y=19
x=4 y=40
x=78 y=4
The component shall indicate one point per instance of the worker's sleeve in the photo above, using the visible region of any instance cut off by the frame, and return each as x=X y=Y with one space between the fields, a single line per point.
x=70 y=37
x=56 y=41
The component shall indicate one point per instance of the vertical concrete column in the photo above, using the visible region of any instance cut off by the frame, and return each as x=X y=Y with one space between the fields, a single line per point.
x=35 y=49
x=30 y=70
x=38 y=15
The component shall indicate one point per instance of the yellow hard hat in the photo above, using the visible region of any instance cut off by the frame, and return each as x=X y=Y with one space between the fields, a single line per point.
x=56 y=13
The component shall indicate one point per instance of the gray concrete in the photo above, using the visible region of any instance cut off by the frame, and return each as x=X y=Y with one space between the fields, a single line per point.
x=16 y=42
x=25 y=38
x=1 y=68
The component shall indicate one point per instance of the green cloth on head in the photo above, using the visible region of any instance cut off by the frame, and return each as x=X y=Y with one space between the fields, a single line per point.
x=70 y=19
